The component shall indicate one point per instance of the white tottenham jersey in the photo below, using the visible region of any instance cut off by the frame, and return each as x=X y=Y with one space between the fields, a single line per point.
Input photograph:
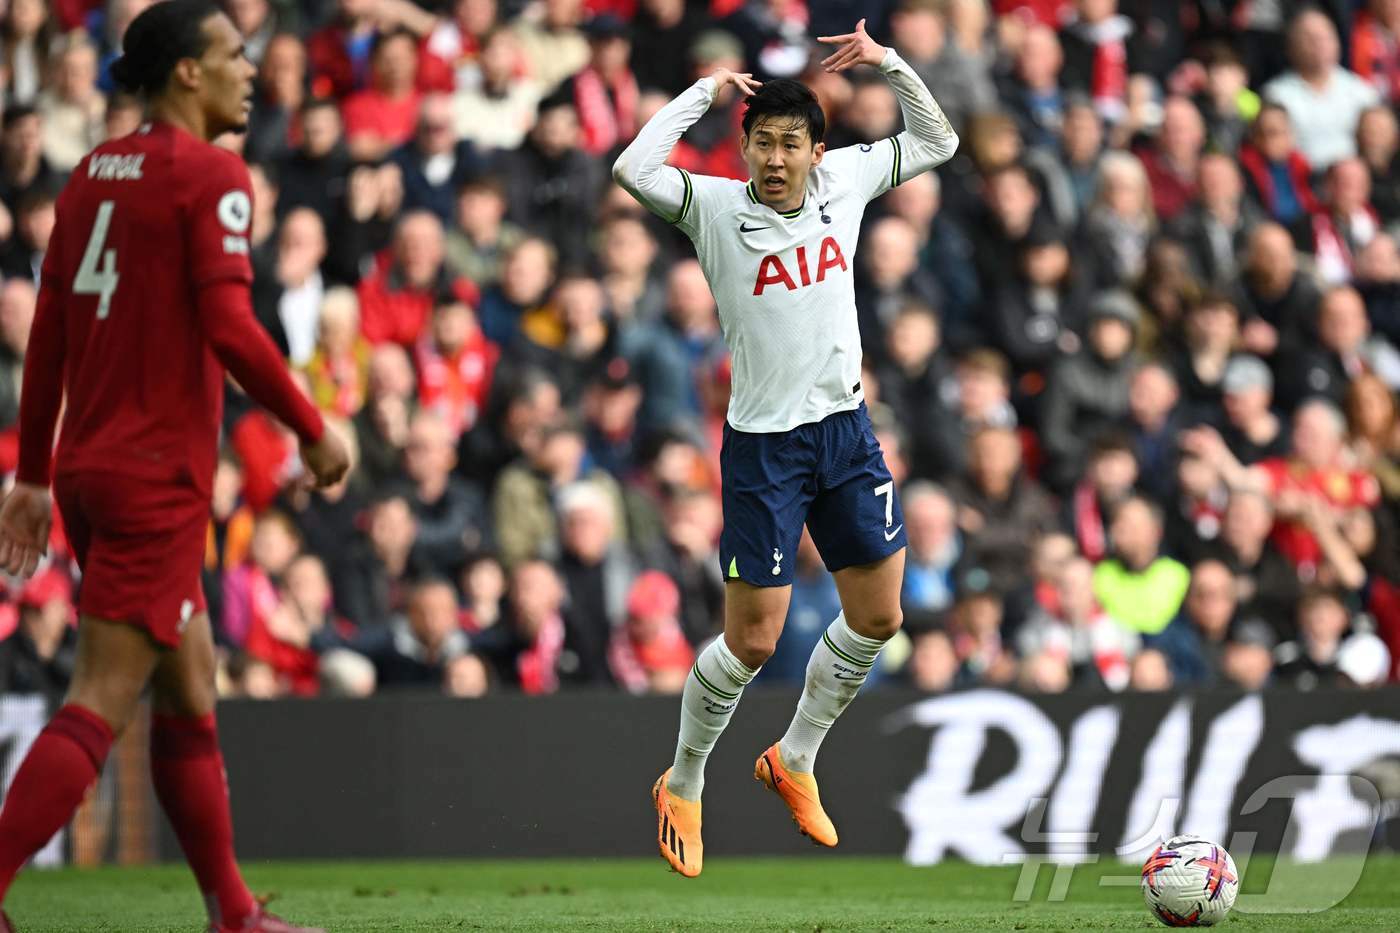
x=784 y=283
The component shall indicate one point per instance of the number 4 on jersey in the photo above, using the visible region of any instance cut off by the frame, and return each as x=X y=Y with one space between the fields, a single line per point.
x=90 y=279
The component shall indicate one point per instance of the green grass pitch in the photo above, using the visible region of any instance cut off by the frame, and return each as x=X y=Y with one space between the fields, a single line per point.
x=807 y=895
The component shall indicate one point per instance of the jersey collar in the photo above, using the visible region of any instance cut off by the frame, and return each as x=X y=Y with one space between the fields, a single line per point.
x=752 y=191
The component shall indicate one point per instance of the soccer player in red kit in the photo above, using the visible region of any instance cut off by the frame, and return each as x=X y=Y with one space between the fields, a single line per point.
x=144 y=304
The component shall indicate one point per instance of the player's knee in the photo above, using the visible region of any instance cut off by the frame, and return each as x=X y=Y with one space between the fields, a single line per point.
x=880 y=625
x=754 y=648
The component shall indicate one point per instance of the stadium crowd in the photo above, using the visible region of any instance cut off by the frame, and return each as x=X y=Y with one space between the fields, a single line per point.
x=1132 y=354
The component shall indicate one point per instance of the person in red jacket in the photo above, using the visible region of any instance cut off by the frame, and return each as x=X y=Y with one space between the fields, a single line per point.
x=151 y=238
x=396 y=298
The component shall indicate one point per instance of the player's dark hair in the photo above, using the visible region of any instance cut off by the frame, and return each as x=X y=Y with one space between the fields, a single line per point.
x=157 y=39
x=785 y=98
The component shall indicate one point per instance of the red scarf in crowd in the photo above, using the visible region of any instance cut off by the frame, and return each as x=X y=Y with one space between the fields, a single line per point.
x=537 y=665
x=607 y=111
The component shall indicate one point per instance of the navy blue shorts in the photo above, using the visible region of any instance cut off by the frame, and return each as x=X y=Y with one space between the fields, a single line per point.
x=830 y=474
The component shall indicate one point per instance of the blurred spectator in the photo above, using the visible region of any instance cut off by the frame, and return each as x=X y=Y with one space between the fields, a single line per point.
x=649 y=653
x=435 y=163
x=1032 y=91
x=669 y=355
x=690 y=557
x=383 y=115
x=27 y=46
x=945 y=250
x=1000 y=509
x=1195 y=641
x=1097 y=649
x=551 y=183
x=71 y=107
x=534 y=657
x=1172 y=161
x=250 y=590
x=1377 y=145
x=1323 y=99
x=1120 y=222
x=396 y=298
x=1137 y=585
x=281 y=94
x=1088 y=392
x=1268 y=585
x=1251 y=430
x=1194 y=509
x=1078 y=158
x=1276 y=299
x=1345 y=221
x=1211 y=331
x=449 y=512
x=1109 y=479
x=975 y=625
x=339 y=52
x=553 y=45
x=610 y=404
x=288 y=289
x=18 y=298
x=525 y=497
x=597 y=569
x=285 y=624
x=24 y=169
x=933 y=664
x=1227 y=104
x=1378 y=281
x=338 y=370
x=480 y=237
x=1345 y=349
x=484 y=587
x=935 y=546
x=497 y=113
x=661 y=37
x=381 y=426
x=1277 y=174
x=1216 y=227
x=569 y=336
x=521 y=405
x=636 y=295
x=1003 y=220
x=917 y=381
x=466 y=677
x=605 y=92
x=1315 y=659
x=38 y=656
x=1373 y=422
x=1040 y=308
x=1156 y=422
x=887 y=276
x=981 y=397
x=1096 y=55
x=416 y=647
x=315 y=173
x=1248 y=659
x=378 y=587
x=526 y=274
x=455 y=364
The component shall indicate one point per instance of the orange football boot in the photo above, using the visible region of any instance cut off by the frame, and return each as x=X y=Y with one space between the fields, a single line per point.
x=799 y=792
x=678 y=829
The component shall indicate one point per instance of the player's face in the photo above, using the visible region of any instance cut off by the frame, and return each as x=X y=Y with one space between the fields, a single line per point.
x=226 y=85
x=780 y=155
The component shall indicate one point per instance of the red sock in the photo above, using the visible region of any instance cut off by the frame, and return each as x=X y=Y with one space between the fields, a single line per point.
x=188 y=772
x=61 y=765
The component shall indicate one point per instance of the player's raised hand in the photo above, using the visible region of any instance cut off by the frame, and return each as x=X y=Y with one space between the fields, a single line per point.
x=327 y=460
x=744 y=81
x=25 y=518
x=856 y=48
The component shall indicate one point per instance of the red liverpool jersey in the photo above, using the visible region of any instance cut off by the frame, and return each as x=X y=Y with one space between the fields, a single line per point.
x=145 y=223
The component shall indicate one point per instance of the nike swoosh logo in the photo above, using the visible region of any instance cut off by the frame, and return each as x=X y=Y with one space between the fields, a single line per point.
x=889 y=535
x=745 y=228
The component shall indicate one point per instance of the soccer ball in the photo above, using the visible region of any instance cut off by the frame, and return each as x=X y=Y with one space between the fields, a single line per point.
x=1189 y=882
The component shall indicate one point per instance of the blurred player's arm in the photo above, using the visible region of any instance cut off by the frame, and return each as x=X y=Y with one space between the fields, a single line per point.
x=642 y=170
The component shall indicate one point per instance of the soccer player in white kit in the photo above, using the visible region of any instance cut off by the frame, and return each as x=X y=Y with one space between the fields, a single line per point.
x=778 y=252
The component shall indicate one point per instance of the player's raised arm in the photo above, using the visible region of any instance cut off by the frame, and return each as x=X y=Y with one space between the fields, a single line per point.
x=928 y=139
x=641 y=168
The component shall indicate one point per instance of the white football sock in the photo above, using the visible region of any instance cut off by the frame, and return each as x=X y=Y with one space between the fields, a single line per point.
x=711 y=692
x=839 y=665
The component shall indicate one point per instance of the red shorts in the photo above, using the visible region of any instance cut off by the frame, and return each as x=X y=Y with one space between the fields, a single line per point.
x=141 y=548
